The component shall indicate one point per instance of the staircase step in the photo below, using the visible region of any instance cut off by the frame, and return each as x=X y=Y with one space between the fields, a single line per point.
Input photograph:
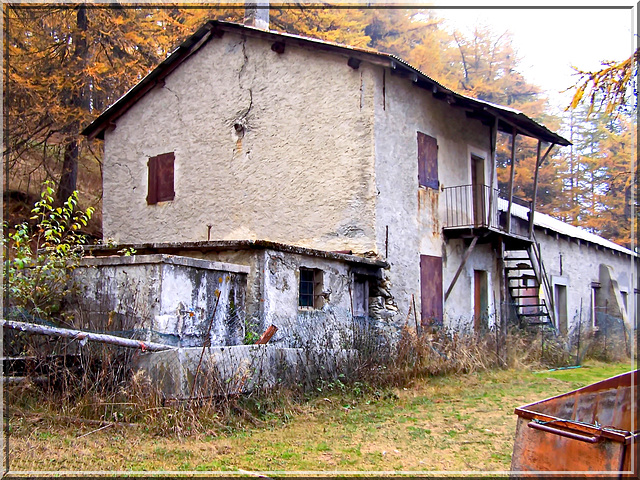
x=511 y=269
x=532 y=305
x=534 y=314
x=524 y=296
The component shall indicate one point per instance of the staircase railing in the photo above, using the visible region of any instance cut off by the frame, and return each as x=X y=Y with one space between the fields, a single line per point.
x=543 y=278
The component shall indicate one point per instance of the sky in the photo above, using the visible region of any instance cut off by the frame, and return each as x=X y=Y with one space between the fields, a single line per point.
x=551 y=41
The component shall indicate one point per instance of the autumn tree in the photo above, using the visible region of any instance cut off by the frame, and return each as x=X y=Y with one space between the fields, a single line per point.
x=612 y=88
x=64 y=65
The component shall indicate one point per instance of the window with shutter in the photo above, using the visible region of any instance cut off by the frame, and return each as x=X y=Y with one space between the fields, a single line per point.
x=161 y=178
x=427 y=161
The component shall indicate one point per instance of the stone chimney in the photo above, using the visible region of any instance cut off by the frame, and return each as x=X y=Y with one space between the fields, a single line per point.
x=256 y=14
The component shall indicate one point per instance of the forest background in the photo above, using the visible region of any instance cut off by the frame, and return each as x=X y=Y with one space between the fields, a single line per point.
x=63 y=65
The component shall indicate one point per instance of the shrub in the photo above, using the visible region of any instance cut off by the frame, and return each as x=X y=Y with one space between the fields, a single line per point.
x=38 y=259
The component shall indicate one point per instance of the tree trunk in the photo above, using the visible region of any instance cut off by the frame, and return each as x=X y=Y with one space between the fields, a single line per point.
x=79 y=103
x=69 y=175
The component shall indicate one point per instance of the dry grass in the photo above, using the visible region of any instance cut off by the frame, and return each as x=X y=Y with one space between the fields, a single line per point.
x=459 y=422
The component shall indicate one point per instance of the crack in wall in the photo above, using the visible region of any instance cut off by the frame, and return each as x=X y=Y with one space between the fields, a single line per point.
x=125 y=166
x=241 y=72
x=179 y=115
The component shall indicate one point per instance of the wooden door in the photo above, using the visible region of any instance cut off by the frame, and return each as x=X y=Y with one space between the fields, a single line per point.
x=431 y=290
x=477 y=187
x=480 y=300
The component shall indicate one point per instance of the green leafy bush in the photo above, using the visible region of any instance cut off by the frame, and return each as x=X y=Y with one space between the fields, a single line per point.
x=38 y=259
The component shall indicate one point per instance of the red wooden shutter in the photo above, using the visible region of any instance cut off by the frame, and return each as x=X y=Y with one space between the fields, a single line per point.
x=161 y=178
x=165 y=177
x=431 y=290
x=427 y=161
x=152 y=193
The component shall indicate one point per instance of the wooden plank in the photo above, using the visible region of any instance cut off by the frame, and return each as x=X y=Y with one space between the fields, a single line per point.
x=459 y=271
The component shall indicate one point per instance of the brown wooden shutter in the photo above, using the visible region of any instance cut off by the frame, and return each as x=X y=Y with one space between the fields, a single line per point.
x=427 y=161
x=161 y=173
x=152 y=193
x=431 y=290
x=165 y=177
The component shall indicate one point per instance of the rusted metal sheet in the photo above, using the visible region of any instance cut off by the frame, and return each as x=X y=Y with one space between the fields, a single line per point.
x=431 y=290
x=592 y=429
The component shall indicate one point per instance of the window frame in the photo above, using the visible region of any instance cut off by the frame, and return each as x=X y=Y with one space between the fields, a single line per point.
x=316 y=295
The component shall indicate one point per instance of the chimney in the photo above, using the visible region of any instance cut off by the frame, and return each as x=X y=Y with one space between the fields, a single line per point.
x=256 y=14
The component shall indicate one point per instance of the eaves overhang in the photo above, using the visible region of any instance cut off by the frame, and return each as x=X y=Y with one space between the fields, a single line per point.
x=179 y=248
x=507 y=119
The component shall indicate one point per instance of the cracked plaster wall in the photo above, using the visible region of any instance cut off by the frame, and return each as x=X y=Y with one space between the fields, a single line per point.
x=413 y=214
x=163 y=302
x=459 y=311
x=581 y=265
x=272 y=299
x=267 y=146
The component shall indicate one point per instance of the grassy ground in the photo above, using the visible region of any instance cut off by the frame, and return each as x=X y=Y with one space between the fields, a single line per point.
x=457 y=423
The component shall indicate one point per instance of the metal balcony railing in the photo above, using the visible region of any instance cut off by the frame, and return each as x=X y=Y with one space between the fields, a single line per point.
x=476 y=206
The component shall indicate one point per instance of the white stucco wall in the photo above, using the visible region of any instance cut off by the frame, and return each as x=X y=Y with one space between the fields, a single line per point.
x=166 y=299
x=581 y=263
x=328 y=326
x=459 y=308
x=302 y=173
x=414 y=214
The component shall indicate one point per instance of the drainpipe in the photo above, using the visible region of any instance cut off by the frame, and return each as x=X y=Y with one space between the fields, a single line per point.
x=256 y=14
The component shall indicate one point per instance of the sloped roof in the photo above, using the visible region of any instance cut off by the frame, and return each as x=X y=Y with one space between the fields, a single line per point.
x=542 y=220
x=488 y=113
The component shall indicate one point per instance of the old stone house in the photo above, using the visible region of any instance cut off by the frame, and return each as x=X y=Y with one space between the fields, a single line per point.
x=336 y=183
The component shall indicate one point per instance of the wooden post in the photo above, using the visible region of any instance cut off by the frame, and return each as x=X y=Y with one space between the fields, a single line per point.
x=535 y=189
x=459 y=271
x=539 y=162
x=503 y=290
x=511 y=178
x=494 y=141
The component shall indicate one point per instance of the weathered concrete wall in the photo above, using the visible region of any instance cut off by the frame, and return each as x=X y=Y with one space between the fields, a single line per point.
x=330 y=326
x=240 y=369
x=414 y=214
x=581 y=266
x=301 y=173
x=459 y=308
x=162 y=298
x=273 y=291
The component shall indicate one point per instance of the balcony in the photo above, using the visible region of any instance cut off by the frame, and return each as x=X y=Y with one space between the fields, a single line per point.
x=479 y=207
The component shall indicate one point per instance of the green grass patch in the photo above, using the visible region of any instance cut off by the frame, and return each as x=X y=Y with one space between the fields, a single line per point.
x=587 y=374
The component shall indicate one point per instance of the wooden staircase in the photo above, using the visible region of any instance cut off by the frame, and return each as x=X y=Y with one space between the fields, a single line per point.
x=524 y=274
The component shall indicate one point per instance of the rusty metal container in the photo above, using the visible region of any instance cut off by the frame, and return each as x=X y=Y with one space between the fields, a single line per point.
x=593 y=429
